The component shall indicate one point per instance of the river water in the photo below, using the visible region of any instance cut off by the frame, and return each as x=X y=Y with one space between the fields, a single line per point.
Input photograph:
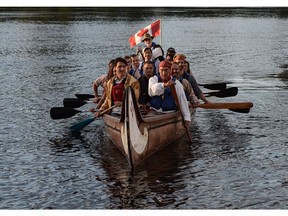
x=236 y=161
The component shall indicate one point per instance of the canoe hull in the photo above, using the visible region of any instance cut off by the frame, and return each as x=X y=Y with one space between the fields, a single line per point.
x=139 y=136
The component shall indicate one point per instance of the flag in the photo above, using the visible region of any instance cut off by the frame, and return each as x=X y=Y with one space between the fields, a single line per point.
x=153 y=29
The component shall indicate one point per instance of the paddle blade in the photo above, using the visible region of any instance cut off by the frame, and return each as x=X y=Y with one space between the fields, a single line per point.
x=79 y=126
x=229 y=92
x=73 y=102
x=62 y=112
x=241 y=110
x=84 y=96
x=215 y=86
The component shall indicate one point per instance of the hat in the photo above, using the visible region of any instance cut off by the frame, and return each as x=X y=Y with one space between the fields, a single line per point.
x=171 y=50
x=146 y=36
x=165 y=63
x=179 y=56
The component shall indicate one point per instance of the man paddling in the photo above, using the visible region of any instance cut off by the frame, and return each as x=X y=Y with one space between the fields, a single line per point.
x=180 y=59
x=116 y=86
x=162 y=98
x=186 y=85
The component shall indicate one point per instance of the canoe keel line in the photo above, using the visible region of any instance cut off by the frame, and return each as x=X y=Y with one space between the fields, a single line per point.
x=139 y=136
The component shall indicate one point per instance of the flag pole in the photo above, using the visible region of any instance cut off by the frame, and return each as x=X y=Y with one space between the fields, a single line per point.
x=161 y=29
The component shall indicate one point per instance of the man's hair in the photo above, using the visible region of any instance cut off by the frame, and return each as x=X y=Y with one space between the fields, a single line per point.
x=148 y=62
x=120 y=59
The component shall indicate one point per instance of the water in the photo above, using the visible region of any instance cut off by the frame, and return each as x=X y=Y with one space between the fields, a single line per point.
x=236 y=161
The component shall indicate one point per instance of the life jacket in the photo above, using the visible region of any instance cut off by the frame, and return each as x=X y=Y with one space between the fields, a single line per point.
x=165 y=101
x=118 y=90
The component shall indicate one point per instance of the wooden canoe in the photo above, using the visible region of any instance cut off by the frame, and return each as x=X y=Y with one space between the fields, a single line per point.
x=139 y=136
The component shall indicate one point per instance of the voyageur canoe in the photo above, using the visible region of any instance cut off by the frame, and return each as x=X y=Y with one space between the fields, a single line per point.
x=139 y=136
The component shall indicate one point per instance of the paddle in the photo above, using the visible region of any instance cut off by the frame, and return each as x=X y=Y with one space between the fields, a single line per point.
x=242 y=107
x=173 y=90
x=84 y=96
x=229 y=92
x=74 y=102
x=63 y=112
x=79 y=126
x=215 y=86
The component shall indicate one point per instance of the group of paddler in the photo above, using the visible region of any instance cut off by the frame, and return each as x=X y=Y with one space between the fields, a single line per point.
x=151 y=75
x=161 y=83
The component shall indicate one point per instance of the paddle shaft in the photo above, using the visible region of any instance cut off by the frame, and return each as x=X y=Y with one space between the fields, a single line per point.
x=106 y=110
x=79 y=126
x=174 y=93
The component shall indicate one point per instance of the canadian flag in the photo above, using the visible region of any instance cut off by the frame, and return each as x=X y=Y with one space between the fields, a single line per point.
x=153 y=29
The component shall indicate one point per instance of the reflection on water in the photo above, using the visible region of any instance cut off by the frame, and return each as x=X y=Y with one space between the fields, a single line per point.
x=151 y=183
x=226 y=140
x=284 y=76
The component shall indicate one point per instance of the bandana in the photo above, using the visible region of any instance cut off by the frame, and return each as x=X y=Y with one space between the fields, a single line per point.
x=165 y=63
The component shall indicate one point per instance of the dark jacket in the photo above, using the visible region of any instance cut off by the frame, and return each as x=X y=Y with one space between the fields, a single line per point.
x=144 y=97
